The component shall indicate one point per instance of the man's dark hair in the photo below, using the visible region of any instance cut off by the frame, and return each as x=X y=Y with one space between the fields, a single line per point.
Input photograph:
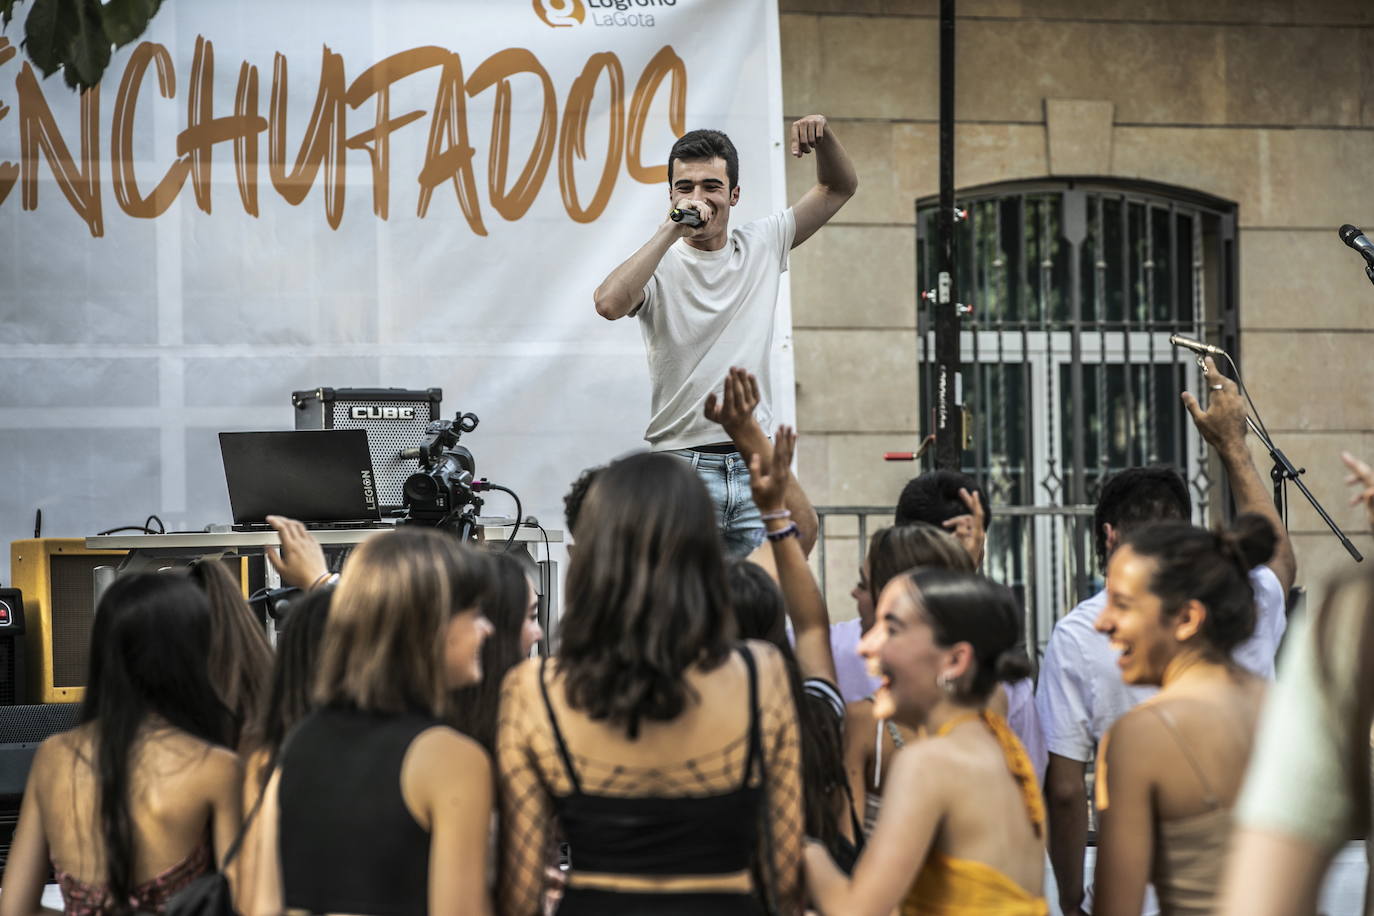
x=1132 y=497
x=572 y=502
x=933 y=498
x=697 y=145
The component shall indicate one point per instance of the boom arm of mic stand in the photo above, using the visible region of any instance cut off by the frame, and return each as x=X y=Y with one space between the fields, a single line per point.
x=1285 y=471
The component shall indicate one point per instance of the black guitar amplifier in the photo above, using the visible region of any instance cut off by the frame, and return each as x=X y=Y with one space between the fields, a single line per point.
x=13 y=677
x=395 y=419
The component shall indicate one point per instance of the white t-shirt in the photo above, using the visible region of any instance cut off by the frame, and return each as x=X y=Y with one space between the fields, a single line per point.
x=703 y=312
x=1081 y=693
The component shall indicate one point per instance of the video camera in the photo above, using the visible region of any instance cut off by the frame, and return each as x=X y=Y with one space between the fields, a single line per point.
x=441 y=494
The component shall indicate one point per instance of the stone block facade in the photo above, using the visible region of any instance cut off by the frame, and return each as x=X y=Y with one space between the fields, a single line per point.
x=1266 y=103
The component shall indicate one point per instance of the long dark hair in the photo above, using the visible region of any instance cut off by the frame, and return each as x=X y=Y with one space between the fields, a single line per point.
x=760 y=612
x=149 y=650
x=1212 y=567
x=646 y=593
x=964 y=607
x=473 y=709
x=293 y=674
x=240 y=662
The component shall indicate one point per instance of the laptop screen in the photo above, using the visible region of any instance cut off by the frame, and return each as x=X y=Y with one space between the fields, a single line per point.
x=314 y=475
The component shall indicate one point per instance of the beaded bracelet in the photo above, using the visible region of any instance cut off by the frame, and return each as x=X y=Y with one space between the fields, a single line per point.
x=774 y=516
x=790 y=531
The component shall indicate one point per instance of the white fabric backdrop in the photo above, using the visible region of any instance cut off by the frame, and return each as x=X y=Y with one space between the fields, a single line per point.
x=124 y=353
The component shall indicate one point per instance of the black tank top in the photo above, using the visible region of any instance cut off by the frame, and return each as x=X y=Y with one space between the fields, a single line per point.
x=348 y=842
x=649 y=835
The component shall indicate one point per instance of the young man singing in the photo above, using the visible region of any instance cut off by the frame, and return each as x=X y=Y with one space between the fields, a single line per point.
x=705 y=297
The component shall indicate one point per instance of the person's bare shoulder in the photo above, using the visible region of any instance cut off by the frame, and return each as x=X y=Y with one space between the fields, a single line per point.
x=444 y=748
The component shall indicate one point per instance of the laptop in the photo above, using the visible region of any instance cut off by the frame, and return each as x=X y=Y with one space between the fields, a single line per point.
x=323 y=477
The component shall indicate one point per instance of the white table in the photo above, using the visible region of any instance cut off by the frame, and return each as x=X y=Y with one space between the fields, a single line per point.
x=151 y=552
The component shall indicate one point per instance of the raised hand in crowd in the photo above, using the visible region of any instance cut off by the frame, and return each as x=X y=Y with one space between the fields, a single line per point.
x=770 y=482
x=1361 y=475
x=300 y=562
x=1222 y=425
x=734 y=411
x=970 y=530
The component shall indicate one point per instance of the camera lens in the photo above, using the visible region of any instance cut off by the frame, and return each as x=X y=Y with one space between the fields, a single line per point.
x=420 y=488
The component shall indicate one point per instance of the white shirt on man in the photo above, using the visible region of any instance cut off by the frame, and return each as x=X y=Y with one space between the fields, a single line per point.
x=703 y=312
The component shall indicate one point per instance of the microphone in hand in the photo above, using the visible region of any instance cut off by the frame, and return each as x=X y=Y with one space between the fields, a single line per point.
x=688 y=216
x=1197 y=346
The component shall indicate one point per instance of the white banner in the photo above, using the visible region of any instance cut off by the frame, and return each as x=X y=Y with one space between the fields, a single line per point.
x=263 y=197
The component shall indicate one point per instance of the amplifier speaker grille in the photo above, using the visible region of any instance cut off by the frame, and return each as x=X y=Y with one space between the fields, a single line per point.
x=386 y=438
x=394 y=418
x=73 y=613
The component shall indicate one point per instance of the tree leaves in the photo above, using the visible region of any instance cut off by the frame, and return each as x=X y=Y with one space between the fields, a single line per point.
x=77 y=36
x=89 y=52
x=125 y=20
x=48 y=34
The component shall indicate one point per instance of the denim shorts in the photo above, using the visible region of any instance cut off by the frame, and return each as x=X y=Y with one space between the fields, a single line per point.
x=727 y=480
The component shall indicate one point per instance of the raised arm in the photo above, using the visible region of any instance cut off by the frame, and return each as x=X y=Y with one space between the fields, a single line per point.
x=623 y=289
x=734 y=411
x=1222 y=424
x=836 y=180
x=805 y=604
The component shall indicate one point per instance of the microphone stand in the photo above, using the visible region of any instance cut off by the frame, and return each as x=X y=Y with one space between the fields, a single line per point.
x=1284 y=471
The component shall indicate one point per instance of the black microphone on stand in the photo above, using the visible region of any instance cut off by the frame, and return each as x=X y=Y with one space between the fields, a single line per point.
x=1356 y=239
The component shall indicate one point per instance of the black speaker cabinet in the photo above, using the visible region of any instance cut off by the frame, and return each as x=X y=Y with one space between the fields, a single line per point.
x=14 y=685
x=395 y=419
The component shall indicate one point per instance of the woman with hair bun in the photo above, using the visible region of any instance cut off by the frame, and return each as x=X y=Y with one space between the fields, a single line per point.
x=962 y=827
x=1179 y=601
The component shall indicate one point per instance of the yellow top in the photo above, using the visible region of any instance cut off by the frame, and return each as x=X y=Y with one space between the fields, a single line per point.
x=947 y=886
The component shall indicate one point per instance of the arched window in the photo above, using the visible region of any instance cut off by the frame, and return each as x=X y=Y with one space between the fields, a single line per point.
x=1068 y=375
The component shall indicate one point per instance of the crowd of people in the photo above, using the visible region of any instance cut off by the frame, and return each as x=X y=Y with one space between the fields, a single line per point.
x=687 y=748
x=702 y=739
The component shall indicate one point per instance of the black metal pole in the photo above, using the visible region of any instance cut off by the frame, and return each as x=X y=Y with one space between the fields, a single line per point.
x=949 y=421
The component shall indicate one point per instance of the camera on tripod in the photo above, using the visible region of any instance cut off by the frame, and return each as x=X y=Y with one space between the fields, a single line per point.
x=441 y=494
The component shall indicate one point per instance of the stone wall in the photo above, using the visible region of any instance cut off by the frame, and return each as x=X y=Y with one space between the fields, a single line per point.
x=1267 y=103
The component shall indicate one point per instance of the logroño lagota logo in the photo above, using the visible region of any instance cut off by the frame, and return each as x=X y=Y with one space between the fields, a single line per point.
x=633 y=13
x=560 y=14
